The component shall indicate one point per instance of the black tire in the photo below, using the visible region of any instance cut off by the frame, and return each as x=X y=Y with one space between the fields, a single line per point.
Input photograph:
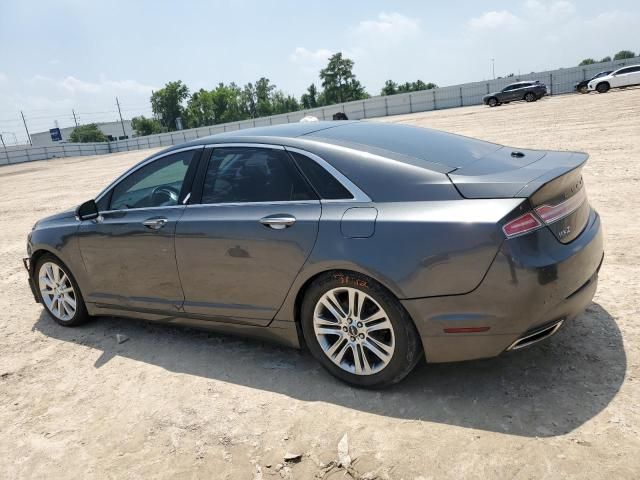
x=584 y=89
x=530 y=97
x=408 y=347
x=80 y=315
x=603 y=87
x=493 y=102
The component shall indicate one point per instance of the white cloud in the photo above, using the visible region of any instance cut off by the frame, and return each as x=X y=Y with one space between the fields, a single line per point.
x=550 y=10
x=75 y=85
x=390 y=24
x=303 y=55
x=495 y=20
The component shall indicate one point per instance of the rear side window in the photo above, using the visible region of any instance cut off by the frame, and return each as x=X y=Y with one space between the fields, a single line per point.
x=323 y=182
x=248 y=174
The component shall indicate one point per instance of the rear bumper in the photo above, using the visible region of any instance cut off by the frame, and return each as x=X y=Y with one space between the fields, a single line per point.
x=534 y=282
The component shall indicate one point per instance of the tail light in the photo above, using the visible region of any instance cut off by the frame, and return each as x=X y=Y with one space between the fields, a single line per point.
x=551 y=213
x=523 y=224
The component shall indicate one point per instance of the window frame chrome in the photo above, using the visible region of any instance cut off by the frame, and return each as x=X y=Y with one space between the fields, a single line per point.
x=358 y=195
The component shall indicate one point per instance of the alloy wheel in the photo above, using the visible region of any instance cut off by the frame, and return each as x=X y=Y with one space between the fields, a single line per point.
x=354 y=331
x=57 y=291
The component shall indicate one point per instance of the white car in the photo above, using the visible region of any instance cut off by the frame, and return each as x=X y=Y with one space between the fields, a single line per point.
x=623 y=77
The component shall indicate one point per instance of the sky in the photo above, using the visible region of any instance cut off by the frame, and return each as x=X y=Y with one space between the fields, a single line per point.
x=64 y=55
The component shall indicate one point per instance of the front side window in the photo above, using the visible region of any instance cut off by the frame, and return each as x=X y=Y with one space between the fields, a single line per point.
x=158 y=184
x=253 y=174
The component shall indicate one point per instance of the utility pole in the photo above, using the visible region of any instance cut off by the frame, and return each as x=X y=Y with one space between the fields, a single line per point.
x=25 y=127
x=124 y=134
x=493 y=67
x=74 y=117
x=2 y=139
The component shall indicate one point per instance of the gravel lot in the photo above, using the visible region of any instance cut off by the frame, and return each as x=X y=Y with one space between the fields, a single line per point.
x=176 y=403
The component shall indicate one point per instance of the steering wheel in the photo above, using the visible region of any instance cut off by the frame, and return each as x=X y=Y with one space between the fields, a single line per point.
x=165 y=195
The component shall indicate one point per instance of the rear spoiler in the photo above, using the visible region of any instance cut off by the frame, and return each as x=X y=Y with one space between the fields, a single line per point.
x=509 y=173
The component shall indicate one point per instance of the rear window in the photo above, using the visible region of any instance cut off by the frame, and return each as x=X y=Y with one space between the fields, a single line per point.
x=323 y=182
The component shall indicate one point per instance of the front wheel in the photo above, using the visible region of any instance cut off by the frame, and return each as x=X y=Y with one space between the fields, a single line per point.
x=584 y=89
x=359 y=331
x=59 y=292
x=530 y=97
x=493 y=102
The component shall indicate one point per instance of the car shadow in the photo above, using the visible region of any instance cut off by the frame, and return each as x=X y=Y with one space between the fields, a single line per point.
x=546 y=390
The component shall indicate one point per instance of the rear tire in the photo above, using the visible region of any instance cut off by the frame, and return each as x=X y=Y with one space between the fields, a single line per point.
x=358 y=330
x=58 y=291
x=603 y=87
x=530 y=97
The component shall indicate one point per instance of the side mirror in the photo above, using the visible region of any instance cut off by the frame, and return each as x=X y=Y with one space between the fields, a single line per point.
x=87 y=211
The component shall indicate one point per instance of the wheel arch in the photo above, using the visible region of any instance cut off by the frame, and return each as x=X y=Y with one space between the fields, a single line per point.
x=301 y=292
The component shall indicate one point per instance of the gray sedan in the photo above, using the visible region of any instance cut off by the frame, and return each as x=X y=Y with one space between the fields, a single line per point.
x=371 y=244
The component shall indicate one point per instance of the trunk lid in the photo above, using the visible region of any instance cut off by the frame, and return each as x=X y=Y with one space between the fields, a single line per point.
x=551 y=181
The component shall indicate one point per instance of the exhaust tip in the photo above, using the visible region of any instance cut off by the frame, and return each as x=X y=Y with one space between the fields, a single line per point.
x=536 y=336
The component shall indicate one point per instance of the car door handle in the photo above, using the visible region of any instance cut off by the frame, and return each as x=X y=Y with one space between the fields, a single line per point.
x=278 y=222
x=155 y=223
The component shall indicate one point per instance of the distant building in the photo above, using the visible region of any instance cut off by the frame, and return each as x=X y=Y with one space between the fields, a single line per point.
x=112 y=130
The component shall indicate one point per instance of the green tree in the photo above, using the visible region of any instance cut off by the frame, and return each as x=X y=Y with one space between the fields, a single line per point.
x=87 y=133
x=586 y=61
x=263 y=91
x=606 y=59
x=390 y=88
x=310 y=99
x=339 y=82
x=622 y=54
x=282 y=103
x=166 y=103
x=145 y=126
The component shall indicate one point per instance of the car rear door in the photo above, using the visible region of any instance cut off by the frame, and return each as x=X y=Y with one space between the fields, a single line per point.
x=128 y=251
x=250 y=227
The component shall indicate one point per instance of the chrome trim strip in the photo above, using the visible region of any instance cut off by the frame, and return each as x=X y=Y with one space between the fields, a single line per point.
x=358 y=195
x=547 y=332
x=238 y=204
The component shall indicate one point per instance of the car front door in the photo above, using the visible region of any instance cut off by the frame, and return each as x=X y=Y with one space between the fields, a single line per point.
x=241 y=245
x=129 y=250
x=509 y=93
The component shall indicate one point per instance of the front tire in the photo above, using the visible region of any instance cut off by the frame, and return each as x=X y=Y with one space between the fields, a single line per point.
x=584 y=89
x=603 y=87
x=58 y=292
x=530 y=97
x=493 y=102
x=358 y=330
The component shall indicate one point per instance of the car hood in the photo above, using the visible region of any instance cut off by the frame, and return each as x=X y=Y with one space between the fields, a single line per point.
x=55 y=217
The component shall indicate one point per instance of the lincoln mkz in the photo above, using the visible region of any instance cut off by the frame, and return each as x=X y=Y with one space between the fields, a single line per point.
x=371 y=244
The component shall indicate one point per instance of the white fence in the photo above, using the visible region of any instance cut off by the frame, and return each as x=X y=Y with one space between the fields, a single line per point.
x=558 y=82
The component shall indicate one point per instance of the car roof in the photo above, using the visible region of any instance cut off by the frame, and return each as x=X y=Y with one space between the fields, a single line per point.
x=422 y=147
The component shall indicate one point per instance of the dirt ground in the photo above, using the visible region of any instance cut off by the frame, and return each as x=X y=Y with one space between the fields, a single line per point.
x=176 y=403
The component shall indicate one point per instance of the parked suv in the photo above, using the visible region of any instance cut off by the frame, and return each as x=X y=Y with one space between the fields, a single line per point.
x=623 y=77
x=583 y=86
x=527 y=91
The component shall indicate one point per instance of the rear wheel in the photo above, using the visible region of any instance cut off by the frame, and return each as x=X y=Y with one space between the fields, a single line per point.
x=359 y=331
x=59 y=292
x=493 y=102
x=530 y=97
x=603 y=87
